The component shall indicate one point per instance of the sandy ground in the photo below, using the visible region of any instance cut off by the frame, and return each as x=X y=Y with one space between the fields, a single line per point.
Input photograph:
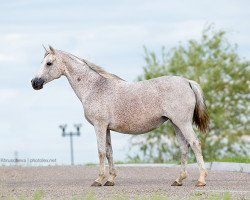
x=65 y=182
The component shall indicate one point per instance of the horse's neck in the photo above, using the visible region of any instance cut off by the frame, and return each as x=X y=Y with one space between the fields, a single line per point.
x=81 y=78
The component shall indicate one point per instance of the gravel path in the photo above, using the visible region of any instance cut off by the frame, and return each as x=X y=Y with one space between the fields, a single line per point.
x=65 y=182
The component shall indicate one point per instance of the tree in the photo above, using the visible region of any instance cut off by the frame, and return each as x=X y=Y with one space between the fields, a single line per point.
x=225 y=79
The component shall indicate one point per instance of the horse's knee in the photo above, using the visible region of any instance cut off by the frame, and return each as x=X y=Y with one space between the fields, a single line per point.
x=184 y=149
x=109 y=154
x=195 y=145
x=102 y=155
x=184 y=157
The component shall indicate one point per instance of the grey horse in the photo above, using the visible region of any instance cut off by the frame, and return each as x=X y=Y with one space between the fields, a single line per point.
x=110 y=103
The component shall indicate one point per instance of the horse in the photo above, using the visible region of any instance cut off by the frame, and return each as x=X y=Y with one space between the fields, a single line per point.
x=113 y=104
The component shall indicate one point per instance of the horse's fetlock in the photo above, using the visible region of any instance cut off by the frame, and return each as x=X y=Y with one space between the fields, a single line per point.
x=113 y=173
x=204 y=172
x=183 y=175
x=102 y=175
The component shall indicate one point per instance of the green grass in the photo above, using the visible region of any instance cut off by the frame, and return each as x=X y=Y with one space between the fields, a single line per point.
x=90 y=164
x=226 y=159
x=233 y=159
x=142 y=162
x=196 y=196
x=132 y=162
x=40 y=195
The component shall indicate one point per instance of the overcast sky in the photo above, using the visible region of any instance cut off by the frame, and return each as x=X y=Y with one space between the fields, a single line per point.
x=108 y=33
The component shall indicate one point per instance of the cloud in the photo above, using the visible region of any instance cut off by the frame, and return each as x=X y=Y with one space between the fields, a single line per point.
x=6 y=58
x=7 y=95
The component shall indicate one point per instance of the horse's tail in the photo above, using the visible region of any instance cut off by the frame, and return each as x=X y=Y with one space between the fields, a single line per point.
x=201 y=117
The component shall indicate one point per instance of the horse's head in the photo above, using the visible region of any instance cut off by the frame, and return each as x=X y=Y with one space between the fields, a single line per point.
x=50 y=69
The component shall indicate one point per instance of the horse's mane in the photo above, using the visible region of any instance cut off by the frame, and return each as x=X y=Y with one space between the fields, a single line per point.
x=96 y=68
x=100 y=70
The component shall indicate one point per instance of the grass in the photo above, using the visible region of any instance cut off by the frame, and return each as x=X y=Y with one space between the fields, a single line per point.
x=131 y=162
x=225 y=159
x=142 y=162
x=233 y=159
x=90 y=164
x=40 y=195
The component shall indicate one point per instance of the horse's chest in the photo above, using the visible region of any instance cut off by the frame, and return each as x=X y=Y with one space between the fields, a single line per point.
x=96 y=112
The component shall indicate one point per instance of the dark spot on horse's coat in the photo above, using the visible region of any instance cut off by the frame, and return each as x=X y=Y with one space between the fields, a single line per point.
x=78 y=79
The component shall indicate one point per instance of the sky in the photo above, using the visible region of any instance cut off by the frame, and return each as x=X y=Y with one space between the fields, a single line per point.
x=108 y=33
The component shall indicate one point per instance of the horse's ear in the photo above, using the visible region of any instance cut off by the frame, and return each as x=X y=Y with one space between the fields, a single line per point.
x=52 y=49
x=45 y=48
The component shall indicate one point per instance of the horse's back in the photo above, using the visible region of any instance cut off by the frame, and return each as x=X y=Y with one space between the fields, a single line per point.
x=159 y=89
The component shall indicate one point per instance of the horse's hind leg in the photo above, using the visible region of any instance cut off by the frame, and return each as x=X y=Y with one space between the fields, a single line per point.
x=184 y=156
x=189 y=134
x=109 y=155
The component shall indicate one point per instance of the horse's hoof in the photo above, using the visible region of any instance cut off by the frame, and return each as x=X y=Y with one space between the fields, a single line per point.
x=176 y=184
x=109 y=183
x=200 y=184
x=96 y=184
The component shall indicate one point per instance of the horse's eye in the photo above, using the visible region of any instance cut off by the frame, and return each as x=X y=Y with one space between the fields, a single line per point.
x=49 y=63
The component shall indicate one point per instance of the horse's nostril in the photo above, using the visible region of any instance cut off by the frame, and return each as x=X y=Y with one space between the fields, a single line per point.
x=37 y=83
x=33 y=82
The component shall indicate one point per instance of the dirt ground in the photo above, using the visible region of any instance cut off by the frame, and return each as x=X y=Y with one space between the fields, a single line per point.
x=65 y=182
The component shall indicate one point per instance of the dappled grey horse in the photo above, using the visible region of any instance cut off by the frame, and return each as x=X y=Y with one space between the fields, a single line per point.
x=110 y=103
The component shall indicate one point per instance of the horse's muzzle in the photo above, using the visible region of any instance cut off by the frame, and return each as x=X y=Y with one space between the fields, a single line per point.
x=37 y=83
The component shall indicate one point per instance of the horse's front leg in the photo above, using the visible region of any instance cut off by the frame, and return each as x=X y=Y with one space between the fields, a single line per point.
x=109 y=154
x=101 y=143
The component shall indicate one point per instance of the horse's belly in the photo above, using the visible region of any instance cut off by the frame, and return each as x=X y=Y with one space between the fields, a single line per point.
x=137 y=126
